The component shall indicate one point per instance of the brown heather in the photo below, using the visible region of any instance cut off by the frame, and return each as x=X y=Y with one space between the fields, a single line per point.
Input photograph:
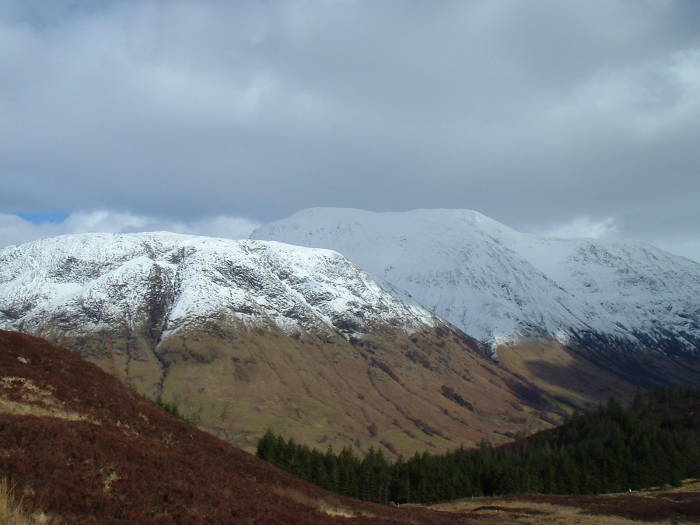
x=91 y=451
x=128 y=461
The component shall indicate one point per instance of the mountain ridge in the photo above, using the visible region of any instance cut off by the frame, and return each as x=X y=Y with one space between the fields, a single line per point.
x=246 y=335
x=500 y=285
x=109 y=261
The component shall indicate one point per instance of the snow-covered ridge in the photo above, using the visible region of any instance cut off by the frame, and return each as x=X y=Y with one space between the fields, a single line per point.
x=95 y=281
x=498 y=284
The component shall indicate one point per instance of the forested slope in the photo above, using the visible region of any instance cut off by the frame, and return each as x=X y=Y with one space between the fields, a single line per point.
x=655 y=441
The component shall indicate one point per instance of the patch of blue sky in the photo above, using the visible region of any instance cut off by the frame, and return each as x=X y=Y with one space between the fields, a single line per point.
x=42 y=217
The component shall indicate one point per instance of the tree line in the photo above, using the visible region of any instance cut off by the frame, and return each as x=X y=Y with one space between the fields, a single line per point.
x=654 y=441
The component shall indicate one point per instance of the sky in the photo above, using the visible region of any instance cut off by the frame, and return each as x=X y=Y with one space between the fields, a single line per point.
x=557 y=117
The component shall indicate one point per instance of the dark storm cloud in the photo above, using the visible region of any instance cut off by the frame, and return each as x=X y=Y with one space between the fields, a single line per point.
x=540 y=114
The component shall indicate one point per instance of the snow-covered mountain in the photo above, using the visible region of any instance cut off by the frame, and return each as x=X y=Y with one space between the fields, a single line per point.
x=498 y=285
x=89 y=281
x=250 y=335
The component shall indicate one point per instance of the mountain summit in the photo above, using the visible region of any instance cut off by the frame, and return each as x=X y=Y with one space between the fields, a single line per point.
x=172 y=281
x=499 y=285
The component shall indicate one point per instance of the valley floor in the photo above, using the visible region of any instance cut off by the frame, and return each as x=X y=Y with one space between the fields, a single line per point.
x=660 y=505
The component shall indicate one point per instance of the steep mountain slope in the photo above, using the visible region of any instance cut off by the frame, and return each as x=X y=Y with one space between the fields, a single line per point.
x=78 y=445
x=246 y=335
x=499 y=285
x=178 y=280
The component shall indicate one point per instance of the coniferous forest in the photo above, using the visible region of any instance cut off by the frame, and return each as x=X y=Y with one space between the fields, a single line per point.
x=655 y=441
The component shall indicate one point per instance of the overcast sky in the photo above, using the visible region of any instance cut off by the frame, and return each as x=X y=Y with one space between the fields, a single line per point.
x=563 y=117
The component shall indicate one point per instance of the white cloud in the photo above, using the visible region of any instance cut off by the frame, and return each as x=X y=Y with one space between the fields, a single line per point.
x=15 y=230
x=683 y=244
x=583 y=227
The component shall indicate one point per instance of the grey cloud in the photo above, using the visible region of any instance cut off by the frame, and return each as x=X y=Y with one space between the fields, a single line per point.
x=15 y=230
x=534 y=113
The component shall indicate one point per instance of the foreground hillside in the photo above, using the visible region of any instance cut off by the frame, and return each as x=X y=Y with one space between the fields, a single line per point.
x=79 y=446
x=249 y=335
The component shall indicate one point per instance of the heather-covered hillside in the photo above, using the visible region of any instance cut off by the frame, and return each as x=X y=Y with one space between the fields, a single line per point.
x=80 y=446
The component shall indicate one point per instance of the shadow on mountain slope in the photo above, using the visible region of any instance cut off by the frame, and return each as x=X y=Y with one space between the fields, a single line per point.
x=584 y=378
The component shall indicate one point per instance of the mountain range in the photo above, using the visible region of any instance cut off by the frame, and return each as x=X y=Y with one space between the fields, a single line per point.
x=250 y=335
x=414 y=331
x=500 y=286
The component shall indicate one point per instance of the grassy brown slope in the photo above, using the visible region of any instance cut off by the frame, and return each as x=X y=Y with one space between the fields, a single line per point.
x=662 y=505
x=390 y=391
x=124 y=460
x=430 y=390
x=563 y=373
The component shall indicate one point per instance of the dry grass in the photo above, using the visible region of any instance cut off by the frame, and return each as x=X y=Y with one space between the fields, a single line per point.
x=661 y=505
x=11 y=511
x=330 y=508
x=33 y=400
x=491 y=510
x=109 y=480
x=689 y=485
